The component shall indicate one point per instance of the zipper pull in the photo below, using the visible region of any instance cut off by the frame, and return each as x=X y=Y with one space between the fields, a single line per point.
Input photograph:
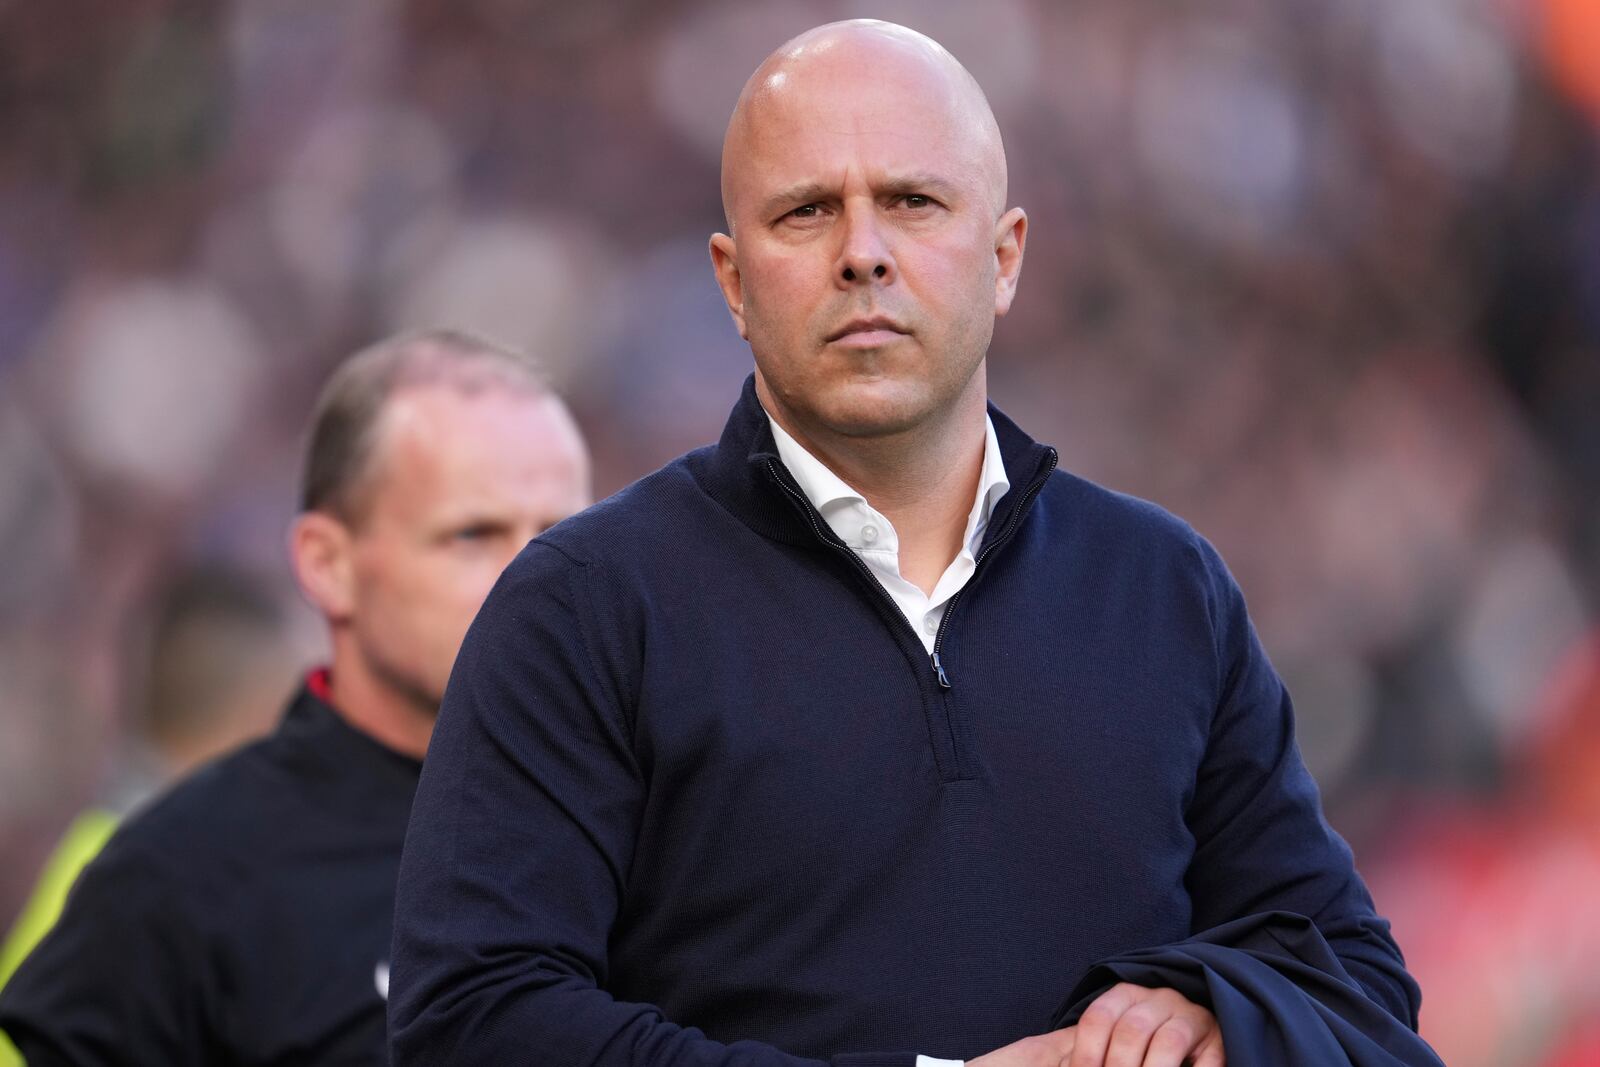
x=938 y=668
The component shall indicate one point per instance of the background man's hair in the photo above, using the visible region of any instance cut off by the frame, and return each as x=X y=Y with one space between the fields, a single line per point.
x=345 y=423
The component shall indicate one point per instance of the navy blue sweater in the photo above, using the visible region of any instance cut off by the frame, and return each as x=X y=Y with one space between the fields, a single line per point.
x=697 y=795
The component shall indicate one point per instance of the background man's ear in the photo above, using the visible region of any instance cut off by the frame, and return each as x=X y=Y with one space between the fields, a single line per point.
x=723 y=251
x=320 y=548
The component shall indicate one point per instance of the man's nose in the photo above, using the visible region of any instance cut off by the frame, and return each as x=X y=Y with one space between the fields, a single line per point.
x=864 y=254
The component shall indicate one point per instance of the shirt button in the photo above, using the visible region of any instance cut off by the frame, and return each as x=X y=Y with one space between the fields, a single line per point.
x=930 y=623
x=869 y=533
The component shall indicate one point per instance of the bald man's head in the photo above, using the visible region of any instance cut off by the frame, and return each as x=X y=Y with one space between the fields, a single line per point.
x=815 y=77
x=869 y=247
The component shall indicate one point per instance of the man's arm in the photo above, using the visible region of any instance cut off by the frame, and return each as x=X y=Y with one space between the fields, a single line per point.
x=520 y=845
x=1261 y=842
x=1261 y=846
x=116 y=980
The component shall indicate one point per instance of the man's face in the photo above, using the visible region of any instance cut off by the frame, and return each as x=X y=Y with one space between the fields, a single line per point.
x=460 y=483
x=867 y=243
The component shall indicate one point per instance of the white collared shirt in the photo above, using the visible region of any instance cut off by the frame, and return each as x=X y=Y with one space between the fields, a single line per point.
x=872 y=537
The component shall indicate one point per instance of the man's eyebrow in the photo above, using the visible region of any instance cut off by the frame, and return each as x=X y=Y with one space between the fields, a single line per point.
x=902 y=185
x=794 y=196
x=928 y=184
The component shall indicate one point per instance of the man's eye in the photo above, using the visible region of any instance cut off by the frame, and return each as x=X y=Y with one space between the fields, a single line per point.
x=917 y=201
x=478 y=532
x=804 y=211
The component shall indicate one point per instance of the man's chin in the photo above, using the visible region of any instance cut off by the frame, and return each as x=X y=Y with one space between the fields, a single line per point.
x=875 y=410
x=862 y=405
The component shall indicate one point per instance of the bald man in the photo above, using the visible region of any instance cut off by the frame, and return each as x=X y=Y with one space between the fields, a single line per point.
x=864 y=736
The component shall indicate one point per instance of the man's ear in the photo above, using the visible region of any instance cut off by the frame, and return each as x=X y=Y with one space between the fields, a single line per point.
x=724 y=261
x=1010 y=235
x=320 y=547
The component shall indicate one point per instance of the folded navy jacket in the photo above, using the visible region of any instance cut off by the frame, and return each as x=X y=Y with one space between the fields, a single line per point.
x=1279 y=993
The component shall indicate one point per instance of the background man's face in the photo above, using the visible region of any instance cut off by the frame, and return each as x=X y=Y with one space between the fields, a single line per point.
x=863 y=193
x=461 y=483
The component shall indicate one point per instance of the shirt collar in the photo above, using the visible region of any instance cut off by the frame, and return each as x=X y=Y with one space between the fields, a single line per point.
x=820 y=485
x=992 y=485
x=827 y=491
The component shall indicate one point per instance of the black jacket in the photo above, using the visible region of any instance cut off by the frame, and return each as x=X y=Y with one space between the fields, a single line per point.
x=244 y=918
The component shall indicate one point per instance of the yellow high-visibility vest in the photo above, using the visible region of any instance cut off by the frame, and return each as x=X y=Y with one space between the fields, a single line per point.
x=81 y=843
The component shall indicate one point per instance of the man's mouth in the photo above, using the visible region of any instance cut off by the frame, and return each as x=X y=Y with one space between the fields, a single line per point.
x=867 y=332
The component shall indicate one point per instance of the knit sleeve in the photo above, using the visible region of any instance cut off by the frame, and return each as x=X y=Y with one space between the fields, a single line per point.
x=1262 y=843
x=519 y=847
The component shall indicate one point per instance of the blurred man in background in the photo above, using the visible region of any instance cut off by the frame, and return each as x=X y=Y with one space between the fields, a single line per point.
x=245 y=917
x=213 y=660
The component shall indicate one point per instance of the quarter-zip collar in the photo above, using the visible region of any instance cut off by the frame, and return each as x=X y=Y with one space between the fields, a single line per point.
x=735 y=473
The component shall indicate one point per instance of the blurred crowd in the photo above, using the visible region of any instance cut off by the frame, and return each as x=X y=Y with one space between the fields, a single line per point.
x=1321 y=277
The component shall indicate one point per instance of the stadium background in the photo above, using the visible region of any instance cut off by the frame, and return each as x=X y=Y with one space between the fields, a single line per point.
x=1322 y=276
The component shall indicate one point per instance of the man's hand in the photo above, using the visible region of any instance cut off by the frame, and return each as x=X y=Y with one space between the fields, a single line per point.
x=1131 y=1026
x=1043 y=1050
